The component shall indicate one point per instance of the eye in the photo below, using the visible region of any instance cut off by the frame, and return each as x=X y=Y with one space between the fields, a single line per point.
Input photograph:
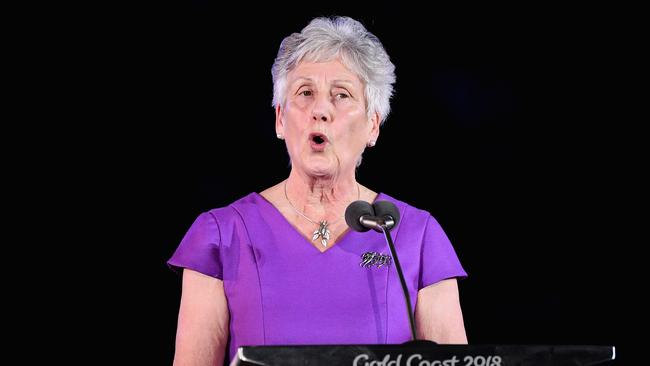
x=305 y=93
x=342 y=95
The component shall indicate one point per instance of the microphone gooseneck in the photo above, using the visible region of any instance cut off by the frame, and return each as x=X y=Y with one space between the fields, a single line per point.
x=382 y=216
x=407 y=298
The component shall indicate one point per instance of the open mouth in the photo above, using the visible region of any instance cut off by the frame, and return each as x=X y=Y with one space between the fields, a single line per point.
x=318 y=141
x=318 y=138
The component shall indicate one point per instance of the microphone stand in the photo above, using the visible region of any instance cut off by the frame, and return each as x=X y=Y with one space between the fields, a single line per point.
x=389 y=240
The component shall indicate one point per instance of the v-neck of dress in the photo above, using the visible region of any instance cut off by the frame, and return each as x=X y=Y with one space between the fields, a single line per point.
x=286 y=222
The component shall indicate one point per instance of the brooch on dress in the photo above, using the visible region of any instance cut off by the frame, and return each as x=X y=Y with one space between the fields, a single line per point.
x=370 y=259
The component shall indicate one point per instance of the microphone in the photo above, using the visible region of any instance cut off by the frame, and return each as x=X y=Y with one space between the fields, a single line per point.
x=361 y=216
x=381 y=216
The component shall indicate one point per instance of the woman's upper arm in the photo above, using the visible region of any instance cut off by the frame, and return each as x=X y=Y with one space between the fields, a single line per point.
x=438 y=315
x=203 y=321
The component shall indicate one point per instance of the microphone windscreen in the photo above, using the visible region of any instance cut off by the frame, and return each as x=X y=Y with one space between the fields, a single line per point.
x=354 y=212
x=386 y=208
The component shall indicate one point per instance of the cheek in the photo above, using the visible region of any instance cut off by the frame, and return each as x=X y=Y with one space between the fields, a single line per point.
x=301 y=104
x=359 y=125
x=293 y=117
x=297 y=106
x=356 y=135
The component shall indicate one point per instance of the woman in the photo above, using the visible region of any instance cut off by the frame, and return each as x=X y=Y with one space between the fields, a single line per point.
x=281 y=266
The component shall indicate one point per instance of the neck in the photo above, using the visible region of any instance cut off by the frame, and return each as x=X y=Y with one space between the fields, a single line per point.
x=322 y=199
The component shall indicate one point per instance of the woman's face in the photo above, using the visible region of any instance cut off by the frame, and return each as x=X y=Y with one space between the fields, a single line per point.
x=324 y=119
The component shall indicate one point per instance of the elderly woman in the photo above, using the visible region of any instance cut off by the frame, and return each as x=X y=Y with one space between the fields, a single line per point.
x=281 y=267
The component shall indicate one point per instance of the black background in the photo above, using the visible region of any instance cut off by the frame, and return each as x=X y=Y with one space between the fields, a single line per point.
x=505 y=125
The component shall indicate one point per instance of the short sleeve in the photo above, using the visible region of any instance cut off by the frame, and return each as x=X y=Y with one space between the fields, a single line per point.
x=199 y=249
x=439 y=259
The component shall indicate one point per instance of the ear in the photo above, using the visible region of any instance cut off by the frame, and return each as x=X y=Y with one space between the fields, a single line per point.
x=279 y=124
x=374 y=132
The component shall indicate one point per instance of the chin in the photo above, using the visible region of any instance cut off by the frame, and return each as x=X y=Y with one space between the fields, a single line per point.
x=320 y=173
x=320 y=168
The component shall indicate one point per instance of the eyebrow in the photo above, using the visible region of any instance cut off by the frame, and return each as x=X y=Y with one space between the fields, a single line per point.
x=336 y=81
x=302 y=78
x=342 y=81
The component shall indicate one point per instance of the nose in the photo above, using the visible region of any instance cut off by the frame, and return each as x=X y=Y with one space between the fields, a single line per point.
x=321 y=111
x=319 y=117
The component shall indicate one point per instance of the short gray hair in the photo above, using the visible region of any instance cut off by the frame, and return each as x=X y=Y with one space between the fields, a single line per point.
x=324 y=39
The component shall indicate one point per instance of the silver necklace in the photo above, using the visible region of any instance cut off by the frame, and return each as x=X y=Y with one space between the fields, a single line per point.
x=323 y=232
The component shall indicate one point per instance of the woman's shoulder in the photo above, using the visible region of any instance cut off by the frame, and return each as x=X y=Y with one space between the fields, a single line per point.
x=251 y=200
x=404 y=208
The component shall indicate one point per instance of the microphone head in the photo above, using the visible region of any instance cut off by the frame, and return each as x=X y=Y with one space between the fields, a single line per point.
x=354 y=212
x=386 y=208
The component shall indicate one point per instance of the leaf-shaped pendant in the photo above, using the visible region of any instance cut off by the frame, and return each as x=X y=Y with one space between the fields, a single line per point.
x=322 y=232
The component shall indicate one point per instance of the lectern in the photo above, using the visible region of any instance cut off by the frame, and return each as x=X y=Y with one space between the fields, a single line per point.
x=424 y=354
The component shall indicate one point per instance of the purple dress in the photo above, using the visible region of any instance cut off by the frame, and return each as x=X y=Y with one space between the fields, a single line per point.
x=281 y=290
